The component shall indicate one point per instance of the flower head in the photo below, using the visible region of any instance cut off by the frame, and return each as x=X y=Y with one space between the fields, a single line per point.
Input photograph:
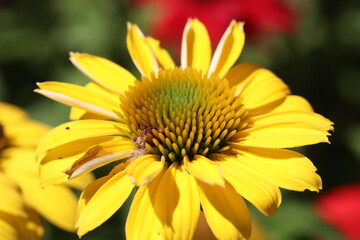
x=200 y=137
x=22 y=200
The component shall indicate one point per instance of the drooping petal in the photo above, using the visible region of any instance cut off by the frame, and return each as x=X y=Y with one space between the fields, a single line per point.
x=228 y=49
x=176 y=198
x=101 y=154
x=141 y=222
x=204 y=170
x=105 y=200
x=263 y=91
x=313 y=119
x=76 y=130
x=80 y=97
x=256 y=188
x=140 y=51
x=281 y=135
x=81 y=182
x=225 y=211
x=162 y=56
x=287 y=169
x=145 y=168
x=54 y=163
x=196 y=46
x=104 y=72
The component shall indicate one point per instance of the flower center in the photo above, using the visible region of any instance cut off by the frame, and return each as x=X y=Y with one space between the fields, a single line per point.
x=3 y=141
x=182 y=113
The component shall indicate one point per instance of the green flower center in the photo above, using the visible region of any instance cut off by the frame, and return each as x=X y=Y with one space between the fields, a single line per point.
x=182 y=113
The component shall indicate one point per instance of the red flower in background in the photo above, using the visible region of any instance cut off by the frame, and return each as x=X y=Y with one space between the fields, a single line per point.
x=261 y=17
x=340 y=208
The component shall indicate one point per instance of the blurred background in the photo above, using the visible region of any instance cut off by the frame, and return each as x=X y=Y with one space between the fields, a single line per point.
x=313 y=45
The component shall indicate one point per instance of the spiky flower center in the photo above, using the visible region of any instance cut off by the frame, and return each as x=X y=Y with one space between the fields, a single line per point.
x=182 y=113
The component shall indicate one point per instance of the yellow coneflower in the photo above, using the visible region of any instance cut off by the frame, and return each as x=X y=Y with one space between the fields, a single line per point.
x=23 y=201
x=200 y=137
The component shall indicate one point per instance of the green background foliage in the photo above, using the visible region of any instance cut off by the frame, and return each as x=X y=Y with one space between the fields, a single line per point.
x=320 y=61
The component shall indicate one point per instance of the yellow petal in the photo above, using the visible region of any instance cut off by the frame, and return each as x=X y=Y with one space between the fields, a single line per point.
x=80 y=97
x=140 y=223
x=204 y=170
x=225 y=211
x=78 y=114
x=7 y=229
x=240 y=74
x=140 y=51
x=196 y=46
x=77 y=130
x=263 y=92
x=104 y=72
x=81 y=182
x=287 y=169
x=313 y=119
x=294 y=103
x=162 y=56
x=11 y=113
x=281 y=135
x=101 y=154
x=228 y=49
x=256 y=188
x=145 y=168
x=176 y=198
x=55 y=161
x=31 y=227
x=10 y=201
x=56 y=203
x=107 y=199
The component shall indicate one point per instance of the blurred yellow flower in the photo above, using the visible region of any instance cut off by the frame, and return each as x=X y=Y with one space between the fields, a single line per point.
x=200 y=137
x=22 y=199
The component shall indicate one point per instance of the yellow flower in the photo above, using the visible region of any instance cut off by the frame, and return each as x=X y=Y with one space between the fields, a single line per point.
x=22 y=199
x=200 y=137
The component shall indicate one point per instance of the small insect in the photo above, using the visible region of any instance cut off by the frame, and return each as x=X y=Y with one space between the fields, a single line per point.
x=146 y=136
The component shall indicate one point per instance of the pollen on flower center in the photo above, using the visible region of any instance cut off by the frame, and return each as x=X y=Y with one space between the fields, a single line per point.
x=182 y=113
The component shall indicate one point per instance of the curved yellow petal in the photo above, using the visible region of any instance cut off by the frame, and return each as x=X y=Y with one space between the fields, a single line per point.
x=313 y=119
x=104 y=72
x=11 y=113
x=7 y=229
x=281 y=135
x=176 y=198
x=140 y=51
x=204 y=170
x=228 y=215
x=145 y=168
x=140 y=223
x=196 y=46
x=256 y=188
x=263 y=92
x=30 y=227
x=77 y=130
x=56 y=203
x=287 y=169
x=240 y=74
x=80 y=97
x=56 y=160
x=101 y=154
x=107 y=199
x=294 y=103
x=162 y=56
x=228 y=49
x=10 y=201
x=81 y=182
x=79 y=114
